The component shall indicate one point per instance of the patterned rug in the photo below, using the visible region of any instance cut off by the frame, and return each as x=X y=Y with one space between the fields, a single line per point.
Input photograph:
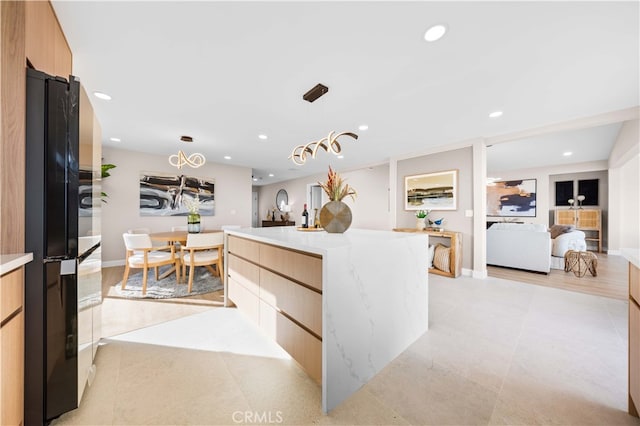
x=203 y=282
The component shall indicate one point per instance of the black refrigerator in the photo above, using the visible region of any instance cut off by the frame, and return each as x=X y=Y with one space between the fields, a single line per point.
x=51 y=315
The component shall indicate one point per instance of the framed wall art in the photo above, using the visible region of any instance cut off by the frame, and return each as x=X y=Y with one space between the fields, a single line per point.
x=163 y=194
x=512 y=198
x=431 y=191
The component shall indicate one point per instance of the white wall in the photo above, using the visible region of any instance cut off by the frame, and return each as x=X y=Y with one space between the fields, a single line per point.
x=624 y=181
x=121 y=212
x=370 y=210
x=630 y=206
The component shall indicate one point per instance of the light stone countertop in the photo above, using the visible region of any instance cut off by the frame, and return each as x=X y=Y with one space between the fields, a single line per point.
x=632 y=255
x=9 y=262
x=319 y=242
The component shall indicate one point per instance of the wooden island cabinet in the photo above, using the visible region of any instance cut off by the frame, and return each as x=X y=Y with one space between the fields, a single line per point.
x=12 y=338
x=330 y=300
x=633 y=256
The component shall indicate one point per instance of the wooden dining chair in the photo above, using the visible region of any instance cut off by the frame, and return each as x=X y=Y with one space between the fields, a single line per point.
x=202 y=250
x=141 y=253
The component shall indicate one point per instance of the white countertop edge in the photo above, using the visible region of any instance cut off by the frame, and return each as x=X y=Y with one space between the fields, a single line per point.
x=319 y=242
x=632 y=255
x=10 y=262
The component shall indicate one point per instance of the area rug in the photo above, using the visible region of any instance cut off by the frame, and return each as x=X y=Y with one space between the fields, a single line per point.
x=203 y=282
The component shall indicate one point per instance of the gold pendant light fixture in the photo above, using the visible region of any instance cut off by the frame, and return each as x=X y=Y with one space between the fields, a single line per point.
x=180 y=159
x=329 y=144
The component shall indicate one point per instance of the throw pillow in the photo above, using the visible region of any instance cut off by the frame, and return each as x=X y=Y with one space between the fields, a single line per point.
x=441 y=258
x=556 y=230
x=432 y=249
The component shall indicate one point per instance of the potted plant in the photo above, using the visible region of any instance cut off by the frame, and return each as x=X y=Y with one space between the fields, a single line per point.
x=193 y=219
x=335 y=216
x=421 y=215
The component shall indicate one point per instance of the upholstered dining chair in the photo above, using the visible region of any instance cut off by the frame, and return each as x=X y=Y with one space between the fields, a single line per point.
x=202 y=250
x=141 y=253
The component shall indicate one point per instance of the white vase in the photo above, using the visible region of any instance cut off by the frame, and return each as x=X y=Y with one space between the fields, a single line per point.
x=420 y=224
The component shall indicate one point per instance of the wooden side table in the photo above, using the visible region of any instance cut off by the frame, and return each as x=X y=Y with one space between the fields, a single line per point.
x=579 y=262
x=455 y=255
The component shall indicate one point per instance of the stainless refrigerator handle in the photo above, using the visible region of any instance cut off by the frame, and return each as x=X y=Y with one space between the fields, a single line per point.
x=67 y=264
x=52 y=259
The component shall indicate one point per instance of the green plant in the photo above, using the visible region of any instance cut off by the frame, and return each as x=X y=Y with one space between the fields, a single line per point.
x=335 y=187
x=105 y=174
x=421 y=214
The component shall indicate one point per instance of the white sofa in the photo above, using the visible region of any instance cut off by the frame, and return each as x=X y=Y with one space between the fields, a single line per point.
x=522 y=246
x=530 y=246
x=573 y=240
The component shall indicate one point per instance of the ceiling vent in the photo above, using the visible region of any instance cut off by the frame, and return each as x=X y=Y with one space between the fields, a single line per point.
x=317 y=91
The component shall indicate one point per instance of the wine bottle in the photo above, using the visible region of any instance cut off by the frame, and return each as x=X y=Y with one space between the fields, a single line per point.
x=305 y=217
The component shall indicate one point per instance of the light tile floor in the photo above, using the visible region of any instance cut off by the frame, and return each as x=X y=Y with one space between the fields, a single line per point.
x=497 y=352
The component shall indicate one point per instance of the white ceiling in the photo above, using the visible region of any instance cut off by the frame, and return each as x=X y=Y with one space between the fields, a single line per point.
x=590 y=144
x=224 y=72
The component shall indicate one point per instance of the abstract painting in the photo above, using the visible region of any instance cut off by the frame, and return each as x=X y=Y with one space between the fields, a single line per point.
x=512 y=198
x=431 y=191
x=163 y=194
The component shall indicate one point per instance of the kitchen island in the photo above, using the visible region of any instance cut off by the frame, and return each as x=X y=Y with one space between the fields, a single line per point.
x=342 y=305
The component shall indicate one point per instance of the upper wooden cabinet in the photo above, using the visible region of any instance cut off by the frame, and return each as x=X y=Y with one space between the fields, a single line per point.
x=589 y=220
x=45 y=45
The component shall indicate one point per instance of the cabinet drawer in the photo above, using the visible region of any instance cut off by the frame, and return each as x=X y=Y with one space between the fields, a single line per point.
x=245 y=273
x=298 y=302
x=11 y=385
x=301 y=345
x=246 y=302
x=244 y=248
x=634 y=352
x=11 y=287
x=634 y=282
x=301 y=267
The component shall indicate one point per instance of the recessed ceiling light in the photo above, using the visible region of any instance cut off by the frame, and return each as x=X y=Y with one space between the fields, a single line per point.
x=568 y=153
x=363 y=127
x=270 y=174
x=226 y=157
x=101 y=95
x=341 y=156
x=495 y=114
x=114 y=139
x=435 y=33
x=255 y=179
x=263 y=137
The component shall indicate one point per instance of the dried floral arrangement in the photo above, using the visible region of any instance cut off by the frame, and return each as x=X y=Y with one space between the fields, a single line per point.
x=335 y=188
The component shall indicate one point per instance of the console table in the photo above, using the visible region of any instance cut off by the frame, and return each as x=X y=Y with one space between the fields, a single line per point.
x=455 y=243
x=269 y=223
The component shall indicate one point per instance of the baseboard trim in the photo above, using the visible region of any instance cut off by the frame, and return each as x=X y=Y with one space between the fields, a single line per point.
x=110 y=263
x=478 y=274
x=614 y=252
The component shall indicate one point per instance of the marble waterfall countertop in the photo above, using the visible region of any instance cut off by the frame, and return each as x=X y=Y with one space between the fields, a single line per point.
x=632 y=255
x=318 y=242
x=10 y=262
x=375 y=298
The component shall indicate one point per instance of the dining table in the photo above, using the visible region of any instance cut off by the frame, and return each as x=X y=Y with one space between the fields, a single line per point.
x=173 y=238
x=179 y=237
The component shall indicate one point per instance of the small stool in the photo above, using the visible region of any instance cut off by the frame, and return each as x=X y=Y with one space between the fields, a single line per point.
x=579 y=262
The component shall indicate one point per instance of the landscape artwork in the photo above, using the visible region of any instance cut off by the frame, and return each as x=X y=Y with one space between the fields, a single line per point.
x=431 y=191
x=163 y=194
x=512 y=198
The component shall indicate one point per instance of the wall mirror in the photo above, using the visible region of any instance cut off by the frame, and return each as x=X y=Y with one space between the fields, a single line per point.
x=282 y=199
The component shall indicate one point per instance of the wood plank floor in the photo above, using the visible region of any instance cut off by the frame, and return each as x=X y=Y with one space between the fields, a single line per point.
x=612 y=279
